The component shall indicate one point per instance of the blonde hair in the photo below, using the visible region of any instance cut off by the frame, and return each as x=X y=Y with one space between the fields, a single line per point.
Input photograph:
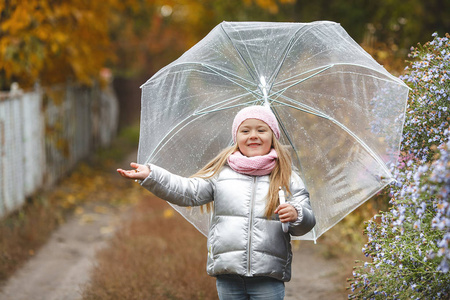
x=279 y=177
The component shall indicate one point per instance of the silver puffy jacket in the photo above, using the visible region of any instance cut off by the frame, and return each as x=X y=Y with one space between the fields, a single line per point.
x=240 y=240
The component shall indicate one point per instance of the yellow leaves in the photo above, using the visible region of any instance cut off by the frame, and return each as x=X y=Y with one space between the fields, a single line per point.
x=382 y=55
x=107 y=230
x=100 y=209
x=87 y=218
x=271 y=6
x=79 y=210
x=71 y=199
x=168 y=213
x=68 y=201
x=52 y=41
x=36 y=39
x=19 y=20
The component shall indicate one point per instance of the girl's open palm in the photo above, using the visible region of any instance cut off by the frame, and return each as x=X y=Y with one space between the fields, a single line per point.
x=140 y=171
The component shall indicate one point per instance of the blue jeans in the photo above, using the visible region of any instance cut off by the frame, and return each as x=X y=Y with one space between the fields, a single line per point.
x=235 y=287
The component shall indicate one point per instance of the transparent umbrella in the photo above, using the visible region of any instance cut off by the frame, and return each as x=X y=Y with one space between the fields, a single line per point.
x=340 y=112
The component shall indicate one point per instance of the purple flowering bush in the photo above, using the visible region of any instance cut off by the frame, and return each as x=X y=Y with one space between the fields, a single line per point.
x=408 y=246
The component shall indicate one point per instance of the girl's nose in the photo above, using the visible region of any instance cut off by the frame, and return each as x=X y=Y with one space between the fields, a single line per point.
x=253 y=134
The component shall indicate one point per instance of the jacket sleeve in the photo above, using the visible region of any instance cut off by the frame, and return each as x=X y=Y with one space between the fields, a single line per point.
x=178 y=190
x=300 y=200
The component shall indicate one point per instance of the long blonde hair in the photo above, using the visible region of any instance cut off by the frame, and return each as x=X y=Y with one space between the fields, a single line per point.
x=279 y=177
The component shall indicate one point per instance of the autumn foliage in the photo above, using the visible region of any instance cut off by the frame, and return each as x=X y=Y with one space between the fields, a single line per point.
x=52 y=41
x=55 y=41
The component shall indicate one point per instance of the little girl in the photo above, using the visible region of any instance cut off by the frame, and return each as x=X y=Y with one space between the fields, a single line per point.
x=248 y=252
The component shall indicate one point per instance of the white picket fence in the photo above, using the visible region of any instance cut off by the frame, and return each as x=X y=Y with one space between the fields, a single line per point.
x=45 y=132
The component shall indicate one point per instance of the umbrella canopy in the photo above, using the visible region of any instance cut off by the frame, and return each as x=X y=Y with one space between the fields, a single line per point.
x=340 y=112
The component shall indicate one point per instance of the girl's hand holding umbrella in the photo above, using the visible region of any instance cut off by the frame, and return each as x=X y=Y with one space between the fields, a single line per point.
x=287 y=213
x=140 y=172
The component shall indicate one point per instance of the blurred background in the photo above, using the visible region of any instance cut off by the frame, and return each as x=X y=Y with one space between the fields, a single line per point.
x=70 y=72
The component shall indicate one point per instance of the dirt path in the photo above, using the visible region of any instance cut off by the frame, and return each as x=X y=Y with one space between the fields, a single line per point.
x=62 y=266
x=316 y=278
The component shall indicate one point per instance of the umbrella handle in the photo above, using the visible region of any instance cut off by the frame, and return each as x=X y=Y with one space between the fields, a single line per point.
x=282 y=198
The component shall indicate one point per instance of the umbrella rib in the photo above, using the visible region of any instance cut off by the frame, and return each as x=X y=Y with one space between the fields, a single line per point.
x=254 y=76
x=395 y=79
x=391 y=77
x=207 y=66
x=203 y=112
x=174 y=130
x=283 y=128
x=229 y=79
x=209 y=109
x=288 y=48
x=252 y=92
x=305 y=108
x=342 y=126
x=293 y=40
x=301 y=80
x=363 y=144
x=217 y=72
x=318 y=69
x=212 y=68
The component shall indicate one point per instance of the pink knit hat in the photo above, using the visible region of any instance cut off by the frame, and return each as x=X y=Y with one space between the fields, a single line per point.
x=256 y=112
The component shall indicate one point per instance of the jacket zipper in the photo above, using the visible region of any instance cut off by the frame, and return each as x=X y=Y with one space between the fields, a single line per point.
x=250 y=228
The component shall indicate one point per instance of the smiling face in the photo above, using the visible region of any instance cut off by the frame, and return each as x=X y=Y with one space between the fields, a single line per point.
x=254 y=138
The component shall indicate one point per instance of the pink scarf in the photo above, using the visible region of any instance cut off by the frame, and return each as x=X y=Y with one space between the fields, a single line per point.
x=256 y=165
